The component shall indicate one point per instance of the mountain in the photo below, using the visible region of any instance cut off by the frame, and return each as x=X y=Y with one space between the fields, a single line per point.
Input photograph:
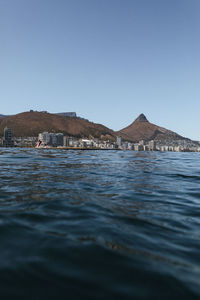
x=3 y=116
x=142 y=129
x=32 y=123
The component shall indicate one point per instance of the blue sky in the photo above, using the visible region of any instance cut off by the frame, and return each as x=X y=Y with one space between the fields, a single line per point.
x=108 y=60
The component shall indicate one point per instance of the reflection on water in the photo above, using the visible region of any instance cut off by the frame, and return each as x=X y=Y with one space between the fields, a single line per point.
x=99 y=224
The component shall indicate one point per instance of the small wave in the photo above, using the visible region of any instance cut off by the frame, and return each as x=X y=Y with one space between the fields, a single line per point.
x=96 y=222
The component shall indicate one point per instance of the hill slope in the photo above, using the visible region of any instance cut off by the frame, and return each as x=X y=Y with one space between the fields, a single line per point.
x=142 y=129
x=3 y=116
x=32 y=123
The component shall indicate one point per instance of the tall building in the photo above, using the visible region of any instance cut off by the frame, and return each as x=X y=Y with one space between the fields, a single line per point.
x=66 y=141
x=44 y=138
x=119 y=141
x=152 y=145
x=59 y=139
x=7 y=139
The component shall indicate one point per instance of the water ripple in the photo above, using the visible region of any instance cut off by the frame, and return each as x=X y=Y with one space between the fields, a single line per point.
x=99 y=224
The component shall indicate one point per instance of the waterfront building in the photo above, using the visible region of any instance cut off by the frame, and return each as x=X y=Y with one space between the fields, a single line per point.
x=51 y=139
x=125 y=146
x=130 y=146
x=59 y=139
x=87 y=143
x=177 y=149
x=152 y=145
x=7 y=139
x=66 y=141
x=138 y=147
x=44 y=138
x=166 y=148
x=76 y=143
x=71 y=142
x=162 y=148
x=119 y=141
x=142 y=142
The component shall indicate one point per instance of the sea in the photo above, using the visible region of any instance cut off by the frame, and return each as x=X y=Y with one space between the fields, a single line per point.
x=99 y=224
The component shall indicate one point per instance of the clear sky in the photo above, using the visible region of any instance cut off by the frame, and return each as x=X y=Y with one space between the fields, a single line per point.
x=108 y=60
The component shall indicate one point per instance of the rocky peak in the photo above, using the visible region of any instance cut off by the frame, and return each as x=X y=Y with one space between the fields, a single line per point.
x=141 y=118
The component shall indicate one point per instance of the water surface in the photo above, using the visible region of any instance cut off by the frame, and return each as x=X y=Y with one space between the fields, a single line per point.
x=99 y=224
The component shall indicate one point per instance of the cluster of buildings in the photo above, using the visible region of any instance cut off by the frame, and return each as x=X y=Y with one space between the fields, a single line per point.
x=9 y=141
x=170 y=145
x=184 y=145
x=141 y=146
x=48 y=140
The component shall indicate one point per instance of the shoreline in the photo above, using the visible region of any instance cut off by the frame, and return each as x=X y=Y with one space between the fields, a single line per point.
x=93 y=149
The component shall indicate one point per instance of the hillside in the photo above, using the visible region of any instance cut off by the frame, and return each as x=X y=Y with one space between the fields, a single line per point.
x=32 y=123
x=142 y=129
x=3 y=116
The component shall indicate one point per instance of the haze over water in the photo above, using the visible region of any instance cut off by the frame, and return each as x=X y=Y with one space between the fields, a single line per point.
x=99 y=224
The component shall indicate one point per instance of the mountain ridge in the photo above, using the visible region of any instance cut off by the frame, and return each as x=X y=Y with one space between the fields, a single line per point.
x=31 y=123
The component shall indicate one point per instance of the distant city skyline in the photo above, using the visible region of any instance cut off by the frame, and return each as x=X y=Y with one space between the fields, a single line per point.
x=107 y=60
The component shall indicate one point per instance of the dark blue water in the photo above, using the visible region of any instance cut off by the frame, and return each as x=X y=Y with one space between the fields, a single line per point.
x=99 y=225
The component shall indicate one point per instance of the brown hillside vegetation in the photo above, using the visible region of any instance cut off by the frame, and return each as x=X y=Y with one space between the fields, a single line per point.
x=32 y=123
x=142 y=129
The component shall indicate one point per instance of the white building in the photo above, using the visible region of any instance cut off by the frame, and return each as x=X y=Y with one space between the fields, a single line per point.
x=44 y=138
x=152 y=145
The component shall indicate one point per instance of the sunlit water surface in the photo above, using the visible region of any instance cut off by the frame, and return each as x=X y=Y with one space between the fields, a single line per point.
x=99 y=225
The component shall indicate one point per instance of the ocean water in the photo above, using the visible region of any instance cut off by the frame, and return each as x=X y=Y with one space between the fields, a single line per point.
x=99 y=224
